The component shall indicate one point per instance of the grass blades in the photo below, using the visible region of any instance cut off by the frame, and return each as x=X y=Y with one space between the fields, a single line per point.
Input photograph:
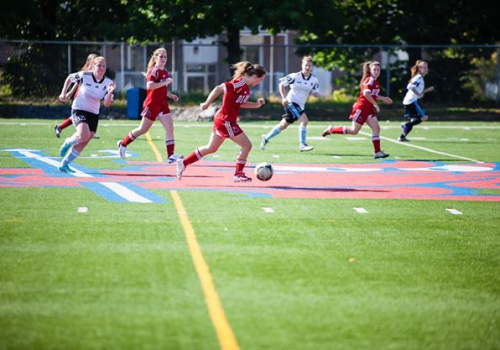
x=290 y=273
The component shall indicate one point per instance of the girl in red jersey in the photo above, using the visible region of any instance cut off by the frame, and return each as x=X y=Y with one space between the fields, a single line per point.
x=365 y=108
x=155 y=105
x=72 y=93
x=236 y=94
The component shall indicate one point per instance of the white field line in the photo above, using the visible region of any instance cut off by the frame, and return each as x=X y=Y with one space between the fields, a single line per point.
x=120 y=190
x=126 y=193
x=407 y=144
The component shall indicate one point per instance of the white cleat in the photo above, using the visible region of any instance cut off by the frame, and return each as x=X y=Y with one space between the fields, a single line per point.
x=180 y=167
x=306 y=148
x=121 y=149
x=380 y=154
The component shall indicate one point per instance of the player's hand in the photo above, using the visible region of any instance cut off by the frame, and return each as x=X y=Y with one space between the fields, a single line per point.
x=377 y=107
x=430 y=88
x=284 y=102
x=204 y=105
x=388 y=100
x=111 y=87
x=63 y=97
x=261 y=102
x=168 y=81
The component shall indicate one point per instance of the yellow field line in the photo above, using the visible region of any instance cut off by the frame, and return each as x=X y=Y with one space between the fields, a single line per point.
x=225 y=334
x=153 y=147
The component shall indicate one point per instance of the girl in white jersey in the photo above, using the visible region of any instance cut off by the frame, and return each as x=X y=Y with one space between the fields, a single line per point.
x=302 y=84
x=414 y=113
x=94 y=87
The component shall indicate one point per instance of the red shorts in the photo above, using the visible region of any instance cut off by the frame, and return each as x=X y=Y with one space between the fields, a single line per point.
x=153 y=111
x=361 y=114
x=226 y=129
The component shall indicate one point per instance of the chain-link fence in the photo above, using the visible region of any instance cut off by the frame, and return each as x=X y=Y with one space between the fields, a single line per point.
x=461 y=74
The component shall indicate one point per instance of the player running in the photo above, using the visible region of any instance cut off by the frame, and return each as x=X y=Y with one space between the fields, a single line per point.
x=94 y=87
x=302 y=84
x=236 y=94
x=414 y=112
x=155 y=106
x=365 y=108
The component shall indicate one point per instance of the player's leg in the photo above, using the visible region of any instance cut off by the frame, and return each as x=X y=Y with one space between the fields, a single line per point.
x=245 y=144
x=375 y=126
x=213 y=145
x=143 y=128
x=59 y=128
x=168 y=125
x=304 y=121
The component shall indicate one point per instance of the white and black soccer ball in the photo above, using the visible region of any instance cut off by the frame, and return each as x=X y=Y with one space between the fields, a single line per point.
x=264 y=171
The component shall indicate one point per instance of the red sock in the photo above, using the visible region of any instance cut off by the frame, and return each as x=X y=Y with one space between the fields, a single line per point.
x=376 y=143
x=65 y=123
x=193 y=157
x=240 y=165
x=337 y=130
x=170 y=147
x=128 y=140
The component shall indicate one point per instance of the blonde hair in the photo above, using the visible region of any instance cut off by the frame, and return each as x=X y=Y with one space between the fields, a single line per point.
x=247 y=68
x=414 y=70
x=367 y=67
x=307 y=59
x=89 y=62
x=154 y=57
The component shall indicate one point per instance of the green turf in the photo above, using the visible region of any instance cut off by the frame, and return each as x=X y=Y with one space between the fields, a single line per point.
x=314 y=274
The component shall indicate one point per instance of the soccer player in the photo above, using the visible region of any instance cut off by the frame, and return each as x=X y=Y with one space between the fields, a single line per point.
x=94 y=86
x=155 y=105
x=73 y=91
x=365 y=108
x=414 y=113
x=236 y=94
x=302 y=84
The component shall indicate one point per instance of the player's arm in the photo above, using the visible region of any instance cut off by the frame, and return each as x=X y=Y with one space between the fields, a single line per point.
x=385 y=99
x=256 y=104
x=108 y=100
x=367 y=93
x=151 y=85
x=219 y=89
x=282 y=88
x=62 y=96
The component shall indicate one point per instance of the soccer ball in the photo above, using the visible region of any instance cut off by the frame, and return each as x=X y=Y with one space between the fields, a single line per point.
x=264 y=171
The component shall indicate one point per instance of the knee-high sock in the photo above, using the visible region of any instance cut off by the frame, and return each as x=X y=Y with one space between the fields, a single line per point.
x=376 y=143
x=273 y=132
x=170 y=144
x=302 y=135
x=411 y=123
x=71 y=156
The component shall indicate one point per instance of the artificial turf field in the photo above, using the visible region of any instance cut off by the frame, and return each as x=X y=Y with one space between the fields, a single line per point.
x=337 y=251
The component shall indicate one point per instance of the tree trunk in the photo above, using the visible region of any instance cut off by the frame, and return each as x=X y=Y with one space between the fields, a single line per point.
x=233 y=46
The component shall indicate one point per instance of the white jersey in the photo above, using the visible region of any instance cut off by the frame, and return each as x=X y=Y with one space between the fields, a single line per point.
x=300 y=87
x=416 y=83
x=90 y=91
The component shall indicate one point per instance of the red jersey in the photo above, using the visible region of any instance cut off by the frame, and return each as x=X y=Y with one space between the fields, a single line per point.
x=156 y=96
x=373 y=87
x=236 y=92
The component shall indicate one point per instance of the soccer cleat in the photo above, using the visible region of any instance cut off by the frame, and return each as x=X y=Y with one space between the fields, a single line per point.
x=403 y=138
x=64 y=148
x=241 y=177
x=58 y=131
x=327 y=131
x=64 y=168
x=97 y=137
x=180 y=167
x=121 y=149
x=306 y=148
x=404 y=129
x=380 y=154
x=263 y=143
x=174 y=157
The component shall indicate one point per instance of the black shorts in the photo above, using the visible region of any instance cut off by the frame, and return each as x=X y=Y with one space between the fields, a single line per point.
x=78 y=116
x=414 y=110
x=292 y=112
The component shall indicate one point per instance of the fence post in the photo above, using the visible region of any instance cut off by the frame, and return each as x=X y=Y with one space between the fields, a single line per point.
x=497 y=77
x=69 y=59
